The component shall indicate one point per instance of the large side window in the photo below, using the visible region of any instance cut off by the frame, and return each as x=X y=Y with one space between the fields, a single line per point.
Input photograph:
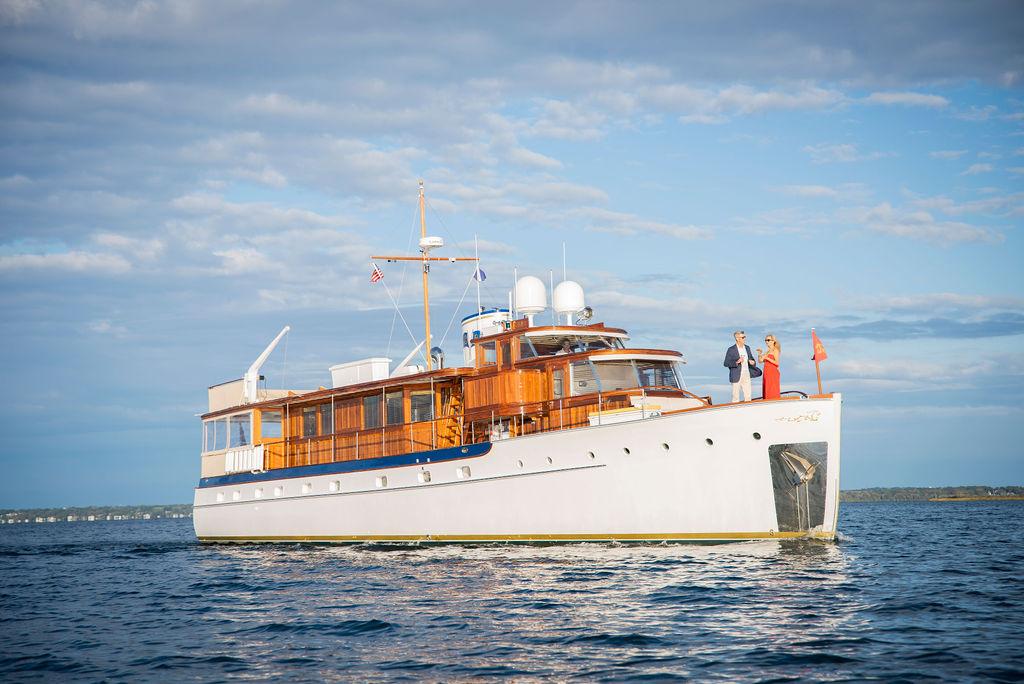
x=371 y=411
x=240 y=430
x=506 y=354
x=326 y=420
x=221 y=441
x=395 y=408
x=270 y=424
x=309 y=421
x=421 y=405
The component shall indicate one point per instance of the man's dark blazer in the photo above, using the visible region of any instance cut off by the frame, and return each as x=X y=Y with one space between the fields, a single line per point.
x=732 y=355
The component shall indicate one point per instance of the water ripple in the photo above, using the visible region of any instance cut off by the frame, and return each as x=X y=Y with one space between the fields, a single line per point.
x=941 y=597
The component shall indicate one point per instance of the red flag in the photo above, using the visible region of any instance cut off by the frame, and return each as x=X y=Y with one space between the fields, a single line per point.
x=377 y=274
x=819 y=348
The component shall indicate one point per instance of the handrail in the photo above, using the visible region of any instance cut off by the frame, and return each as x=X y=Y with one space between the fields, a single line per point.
x=456 y=429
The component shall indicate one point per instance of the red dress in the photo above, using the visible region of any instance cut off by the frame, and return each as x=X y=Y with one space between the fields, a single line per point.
x=770 y=380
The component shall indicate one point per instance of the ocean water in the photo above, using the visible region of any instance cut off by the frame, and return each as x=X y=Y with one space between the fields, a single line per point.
x=912 y=591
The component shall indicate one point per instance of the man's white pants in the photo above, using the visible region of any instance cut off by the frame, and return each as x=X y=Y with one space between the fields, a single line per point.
x=744 y=383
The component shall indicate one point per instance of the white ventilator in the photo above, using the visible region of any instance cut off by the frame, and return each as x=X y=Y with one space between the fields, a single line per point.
x=531 y=297
x=567 y=299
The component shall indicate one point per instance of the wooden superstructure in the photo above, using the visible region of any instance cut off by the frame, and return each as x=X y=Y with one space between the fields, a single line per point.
x=516 y=387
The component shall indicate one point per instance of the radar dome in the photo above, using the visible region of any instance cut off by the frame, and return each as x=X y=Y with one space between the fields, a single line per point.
x=567 y=297
x=531 y=296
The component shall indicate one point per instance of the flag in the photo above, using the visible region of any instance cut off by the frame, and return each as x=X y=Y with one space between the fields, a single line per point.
x=479 y=274
x=819 y=348
x=377 y=274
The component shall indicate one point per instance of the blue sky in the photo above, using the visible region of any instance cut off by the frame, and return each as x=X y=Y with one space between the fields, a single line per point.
x=178 y=180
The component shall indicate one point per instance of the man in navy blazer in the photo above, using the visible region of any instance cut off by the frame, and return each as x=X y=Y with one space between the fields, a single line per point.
x=742 y=366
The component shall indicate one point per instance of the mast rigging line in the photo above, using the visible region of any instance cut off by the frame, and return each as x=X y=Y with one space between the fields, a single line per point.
x=399 y=312
x=455 y=314
x=401 y=285
x=455 y=244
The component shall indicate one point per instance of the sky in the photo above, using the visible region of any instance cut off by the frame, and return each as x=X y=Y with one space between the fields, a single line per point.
x=179 y=180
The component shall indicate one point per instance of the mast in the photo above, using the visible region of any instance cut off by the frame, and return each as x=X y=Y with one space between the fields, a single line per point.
x=426 y=271
x=426 y=244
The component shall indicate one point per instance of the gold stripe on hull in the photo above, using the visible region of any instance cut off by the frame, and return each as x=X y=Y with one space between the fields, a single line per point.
x=474 y=538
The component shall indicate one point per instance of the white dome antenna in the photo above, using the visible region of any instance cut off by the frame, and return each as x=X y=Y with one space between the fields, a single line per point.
x=531 y=296
x=567 y=299
x=431 y=242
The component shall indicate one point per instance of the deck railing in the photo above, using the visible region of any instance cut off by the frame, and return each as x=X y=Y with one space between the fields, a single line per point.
x=475 y=426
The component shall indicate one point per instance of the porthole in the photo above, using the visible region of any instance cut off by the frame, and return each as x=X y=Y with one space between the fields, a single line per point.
x=709 y=442
x=334 y=486
x=382 y=481
x=664 y=445
x=258 y=493
x=278 y=491
x=625 y=450
x=757 y=435
x=424 y=476
x=550 y=460
x=591 y=455
x=220 y=496
x=236 y=495
x=463 y=473
x=307 y=488
x=519 y=463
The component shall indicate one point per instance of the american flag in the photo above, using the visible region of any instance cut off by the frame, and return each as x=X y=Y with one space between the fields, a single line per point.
x=377 y=274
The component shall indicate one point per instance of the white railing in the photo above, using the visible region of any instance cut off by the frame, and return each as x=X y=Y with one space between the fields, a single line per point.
x=243 y=459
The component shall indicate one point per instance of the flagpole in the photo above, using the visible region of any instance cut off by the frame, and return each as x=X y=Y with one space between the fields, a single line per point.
x=817 y=363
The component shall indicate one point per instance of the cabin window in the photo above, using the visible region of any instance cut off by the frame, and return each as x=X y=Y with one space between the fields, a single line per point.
x=558 y=383
x=371 y=412
x=657 y=374
x=309 y=421
x=221 y=441
x=526 y=348
x=465 y=340
x=326 y=420
x=270 y=424
x=490 y=353
x=421 y=406
x=240 y=428
x=209 y=435
x=506 y=354
x=616 y=375
x=395 y=408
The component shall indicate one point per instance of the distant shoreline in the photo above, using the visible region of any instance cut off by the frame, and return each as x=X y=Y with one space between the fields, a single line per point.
x=176 y=511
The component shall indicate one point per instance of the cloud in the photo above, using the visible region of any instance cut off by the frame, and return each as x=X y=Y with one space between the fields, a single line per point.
x=96 y=263
x=975 y=113
x=808 y=191
x=947 y=154
x=826 y=153
x=908 y=98
x=975 y=169
x=619 y=223
x=996 y=325
x=886 y=219
x=930 y=303
x=703 y=105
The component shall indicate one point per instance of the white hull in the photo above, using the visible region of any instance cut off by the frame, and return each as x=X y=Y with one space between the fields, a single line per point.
x=579 y=484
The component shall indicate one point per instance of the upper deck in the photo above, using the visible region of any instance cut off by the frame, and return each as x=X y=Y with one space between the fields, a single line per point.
x=523 y=380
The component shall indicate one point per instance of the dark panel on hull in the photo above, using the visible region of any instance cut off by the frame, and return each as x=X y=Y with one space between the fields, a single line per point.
x=798 y=477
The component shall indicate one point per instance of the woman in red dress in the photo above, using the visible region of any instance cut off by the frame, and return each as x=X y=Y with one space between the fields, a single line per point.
x=770 y=380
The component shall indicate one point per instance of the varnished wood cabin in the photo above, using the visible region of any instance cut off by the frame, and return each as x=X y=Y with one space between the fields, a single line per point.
x=524 y=380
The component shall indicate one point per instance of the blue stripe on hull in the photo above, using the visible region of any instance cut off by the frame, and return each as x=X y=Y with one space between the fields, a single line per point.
x=449 y=454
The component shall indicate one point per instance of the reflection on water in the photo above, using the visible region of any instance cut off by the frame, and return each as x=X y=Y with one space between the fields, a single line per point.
x=141 y=600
